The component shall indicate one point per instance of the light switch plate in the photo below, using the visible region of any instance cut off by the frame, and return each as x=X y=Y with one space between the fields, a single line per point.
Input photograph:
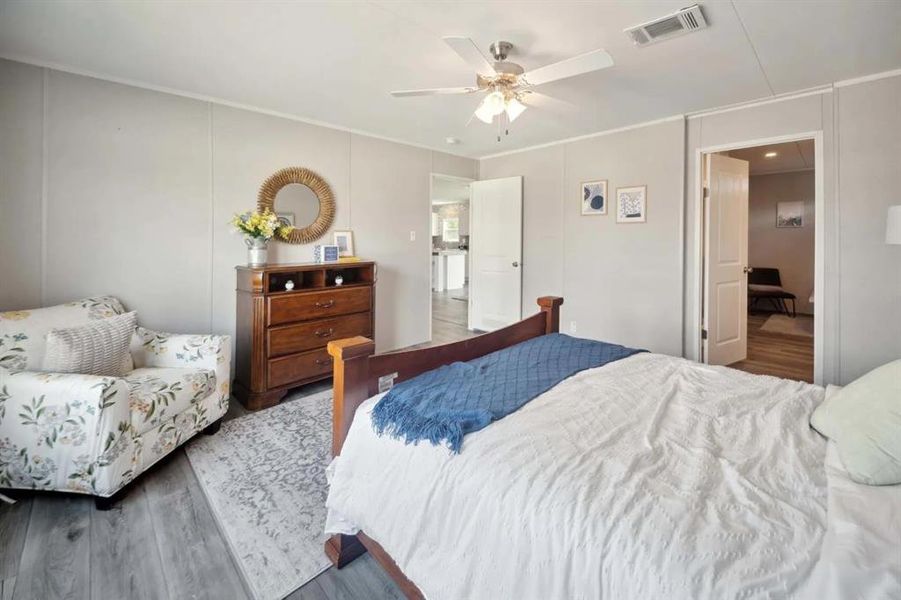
x=412 y=236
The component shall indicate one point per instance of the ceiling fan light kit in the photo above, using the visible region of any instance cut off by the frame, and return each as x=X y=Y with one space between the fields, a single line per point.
x=507 y=84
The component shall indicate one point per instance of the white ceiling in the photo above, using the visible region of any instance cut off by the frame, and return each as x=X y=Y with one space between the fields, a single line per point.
x=334 y=62
x=790 y=156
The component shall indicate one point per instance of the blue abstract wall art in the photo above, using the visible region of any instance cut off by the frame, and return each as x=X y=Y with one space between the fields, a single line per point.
x=594 y=197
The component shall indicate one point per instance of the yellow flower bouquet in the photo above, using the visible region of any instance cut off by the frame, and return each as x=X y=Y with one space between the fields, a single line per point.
x=261 y=226
x=258 y=228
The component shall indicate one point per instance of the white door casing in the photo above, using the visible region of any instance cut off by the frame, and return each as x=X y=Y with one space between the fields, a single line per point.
x=726 y=260
x=495 y=253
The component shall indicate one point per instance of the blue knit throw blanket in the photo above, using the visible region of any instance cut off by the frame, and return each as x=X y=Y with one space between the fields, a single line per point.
x=445 y=404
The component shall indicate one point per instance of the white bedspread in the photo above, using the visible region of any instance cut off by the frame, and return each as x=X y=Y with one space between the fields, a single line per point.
x=650 y=477
x=861 y=553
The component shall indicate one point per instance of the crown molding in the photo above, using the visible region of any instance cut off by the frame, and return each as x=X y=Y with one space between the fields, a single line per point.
x=868 y=78
x=586 y=136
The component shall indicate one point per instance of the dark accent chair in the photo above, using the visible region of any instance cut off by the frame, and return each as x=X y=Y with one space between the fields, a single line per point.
x=765 y=283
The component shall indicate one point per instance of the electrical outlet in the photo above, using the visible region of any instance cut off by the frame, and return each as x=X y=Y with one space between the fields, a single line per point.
x=572 y=326
x=412 y=236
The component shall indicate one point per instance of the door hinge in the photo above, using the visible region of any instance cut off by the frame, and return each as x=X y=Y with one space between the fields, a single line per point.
x=706 y=192
x=703 y=334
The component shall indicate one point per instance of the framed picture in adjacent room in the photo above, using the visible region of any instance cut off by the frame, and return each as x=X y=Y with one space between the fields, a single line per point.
x=632 y=204
x=594 y=197
x=790 y=214
x=345 y=242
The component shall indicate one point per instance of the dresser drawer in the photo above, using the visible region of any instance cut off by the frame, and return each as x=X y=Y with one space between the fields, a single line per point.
x=316 y=305
x=297 y=367
x=288 y=339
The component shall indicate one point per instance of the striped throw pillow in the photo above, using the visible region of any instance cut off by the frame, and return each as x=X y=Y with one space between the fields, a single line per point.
x=97 y=348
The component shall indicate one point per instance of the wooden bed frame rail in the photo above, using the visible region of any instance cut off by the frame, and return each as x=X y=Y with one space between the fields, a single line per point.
x=358 y=372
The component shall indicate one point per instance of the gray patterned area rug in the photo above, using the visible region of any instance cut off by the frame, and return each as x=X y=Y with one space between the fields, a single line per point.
x=264 y=476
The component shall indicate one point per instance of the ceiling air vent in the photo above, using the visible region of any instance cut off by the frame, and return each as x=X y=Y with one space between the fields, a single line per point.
x=679 y=23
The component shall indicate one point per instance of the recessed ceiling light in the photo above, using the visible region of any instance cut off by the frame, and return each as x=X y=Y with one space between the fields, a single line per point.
x=771 y=154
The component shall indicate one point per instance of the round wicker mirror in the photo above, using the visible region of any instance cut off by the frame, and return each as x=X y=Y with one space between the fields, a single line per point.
x=270 y=199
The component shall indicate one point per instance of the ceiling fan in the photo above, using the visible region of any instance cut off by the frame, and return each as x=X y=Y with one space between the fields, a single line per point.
x=507 y=83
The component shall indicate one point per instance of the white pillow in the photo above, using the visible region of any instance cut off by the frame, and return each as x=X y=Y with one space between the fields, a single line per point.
x=864 y=420
x=97 y=348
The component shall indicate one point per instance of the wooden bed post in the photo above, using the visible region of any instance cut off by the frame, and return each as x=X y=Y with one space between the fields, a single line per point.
x=351 y=388
x=550 y=306
x=350 y=358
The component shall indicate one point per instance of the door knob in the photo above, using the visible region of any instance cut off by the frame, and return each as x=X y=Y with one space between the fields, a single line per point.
x=748 y=269
x=515 y=264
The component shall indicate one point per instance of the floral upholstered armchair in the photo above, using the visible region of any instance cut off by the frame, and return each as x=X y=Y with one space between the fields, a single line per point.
x=91 y=434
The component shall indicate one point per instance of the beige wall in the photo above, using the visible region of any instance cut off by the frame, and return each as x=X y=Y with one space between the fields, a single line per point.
x=128 y=200
x=621 y=282
x=785 y=248
x=868 y=154
x=138 y=188
x=21 y=124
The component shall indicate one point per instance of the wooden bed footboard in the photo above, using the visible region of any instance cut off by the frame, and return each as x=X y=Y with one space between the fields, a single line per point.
x=359 y=374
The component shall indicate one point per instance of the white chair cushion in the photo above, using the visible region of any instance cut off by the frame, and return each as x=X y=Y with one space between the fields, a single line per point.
x=158 y=394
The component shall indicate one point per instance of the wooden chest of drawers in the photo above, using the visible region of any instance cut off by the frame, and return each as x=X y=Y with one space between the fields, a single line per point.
x=281 y=334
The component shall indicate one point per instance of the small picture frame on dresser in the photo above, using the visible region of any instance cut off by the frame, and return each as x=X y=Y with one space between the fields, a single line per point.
x=345 y=242
x=325 y=253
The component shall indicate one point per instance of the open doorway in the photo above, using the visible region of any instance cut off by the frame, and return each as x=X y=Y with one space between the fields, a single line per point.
x=450 y=230
x=759 y=257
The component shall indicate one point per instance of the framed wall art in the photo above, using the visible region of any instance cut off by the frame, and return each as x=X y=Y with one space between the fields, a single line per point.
x=594 y=197
x=631 y=204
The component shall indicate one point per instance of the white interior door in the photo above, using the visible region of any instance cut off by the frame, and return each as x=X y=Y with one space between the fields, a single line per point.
x=495 y=252
x=726 y=260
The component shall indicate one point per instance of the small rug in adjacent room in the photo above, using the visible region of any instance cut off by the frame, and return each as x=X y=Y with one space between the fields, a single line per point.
x=801 y=325
x=264 y=476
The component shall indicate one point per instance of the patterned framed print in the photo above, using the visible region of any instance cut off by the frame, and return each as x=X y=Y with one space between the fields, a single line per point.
x=631 y=204
x=594 y=197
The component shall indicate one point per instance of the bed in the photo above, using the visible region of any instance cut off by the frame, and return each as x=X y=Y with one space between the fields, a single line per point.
x=648 y=477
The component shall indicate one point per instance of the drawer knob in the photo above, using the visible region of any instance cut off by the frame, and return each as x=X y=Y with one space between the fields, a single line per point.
x=323 y=361
x=328 y=304
x=324 y=334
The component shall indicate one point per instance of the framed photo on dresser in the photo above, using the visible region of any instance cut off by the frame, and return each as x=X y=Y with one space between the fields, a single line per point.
x=345 y=242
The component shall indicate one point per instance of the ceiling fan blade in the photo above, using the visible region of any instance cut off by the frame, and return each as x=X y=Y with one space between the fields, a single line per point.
x=469 y=52
x=541 y=101
x=434 y=92
x=577 y=65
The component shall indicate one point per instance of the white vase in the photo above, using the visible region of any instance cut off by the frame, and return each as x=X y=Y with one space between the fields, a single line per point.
x=257 y=251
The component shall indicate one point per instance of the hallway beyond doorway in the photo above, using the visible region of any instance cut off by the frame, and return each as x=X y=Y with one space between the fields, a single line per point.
x=449 y=316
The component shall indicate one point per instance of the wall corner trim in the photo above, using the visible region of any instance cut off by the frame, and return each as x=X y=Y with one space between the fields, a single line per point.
x=868 y=78
x=586 y=136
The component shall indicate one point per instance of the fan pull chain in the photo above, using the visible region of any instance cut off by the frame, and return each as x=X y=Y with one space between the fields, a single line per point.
x=501 y=125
